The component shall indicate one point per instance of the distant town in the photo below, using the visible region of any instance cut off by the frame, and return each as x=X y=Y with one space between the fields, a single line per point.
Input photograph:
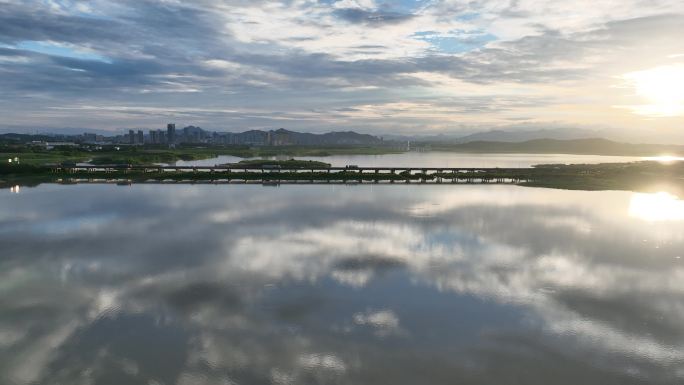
x=172 y=136
x=286 y=142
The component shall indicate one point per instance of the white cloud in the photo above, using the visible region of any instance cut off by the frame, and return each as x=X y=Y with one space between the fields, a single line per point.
x=384 y=322
x=395 y=64
x=322 y=361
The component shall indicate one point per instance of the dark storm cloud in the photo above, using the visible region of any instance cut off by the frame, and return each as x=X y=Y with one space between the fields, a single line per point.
x=159 y=39
x=63 y=75
x=360 y=16
x=11 y=52
x=154 y=39
x=19 y=22
x=374 y=262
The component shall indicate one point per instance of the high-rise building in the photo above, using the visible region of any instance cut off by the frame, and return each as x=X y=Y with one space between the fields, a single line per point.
x=89 y=138
x=141 y=137
x=154 y=138
x=171 y=133
x=131 y=136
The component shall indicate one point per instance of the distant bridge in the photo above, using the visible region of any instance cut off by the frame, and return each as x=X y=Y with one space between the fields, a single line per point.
x=269 y=174
x=260 y=168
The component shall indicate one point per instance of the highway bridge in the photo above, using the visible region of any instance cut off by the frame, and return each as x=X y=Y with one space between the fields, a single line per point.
x=265 y=168
x=270 y=174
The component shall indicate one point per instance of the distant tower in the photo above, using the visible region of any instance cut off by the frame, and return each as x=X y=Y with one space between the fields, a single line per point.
x=171 y=133
x=141 y=137
x=131 y=136
x=154 y=138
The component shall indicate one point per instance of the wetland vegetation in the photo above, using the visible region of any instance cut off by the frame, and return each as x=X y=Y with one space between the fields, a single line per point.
x=160 y=154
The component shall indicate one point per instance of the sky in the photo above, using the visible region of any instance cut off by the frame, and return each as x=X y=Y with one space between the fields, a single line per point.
x=382 y=67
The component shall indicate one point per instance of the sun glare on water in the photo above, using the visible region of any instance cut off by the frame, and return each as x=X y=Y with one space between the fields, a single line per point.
x=665 y=159
x=656 y=207
x=661 y=87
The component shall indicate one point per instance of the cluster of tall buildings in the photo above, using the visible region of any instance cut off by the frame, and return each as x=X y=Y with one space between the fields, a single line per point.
x=256 y=138
x=279 y=137
x=154 y=136
x=196 y=135
x=163 y=137
x=136 y=138
x=92 y=138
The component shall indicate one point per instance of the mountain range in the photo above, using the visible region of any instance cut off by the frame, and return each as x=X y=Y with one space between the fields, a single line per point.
x=516 y=140
x=587 y=146
x=519 y=134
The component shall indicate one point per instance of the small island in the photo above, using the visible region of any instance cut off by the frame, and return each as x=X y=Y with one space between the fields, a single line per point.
x=280 y=164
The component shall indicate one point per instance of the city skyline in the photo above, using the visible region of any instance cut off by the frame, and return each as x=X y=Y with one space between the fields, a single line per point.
x=386 y=68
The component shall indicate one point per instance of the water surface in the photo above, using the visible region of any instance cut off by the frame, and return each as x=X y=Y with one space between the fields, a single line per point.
x=244 y=284
x=437 y=159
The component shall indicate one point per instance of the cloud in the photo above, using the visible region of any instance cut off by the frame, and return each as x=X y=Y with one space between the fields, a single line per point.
x=385 y=322
x=360 y=16
x=298 y=56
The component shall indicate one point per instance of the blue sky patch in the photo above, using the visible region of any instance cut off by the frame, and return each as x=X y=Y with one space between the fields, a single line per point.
x=456 y=41
x=399 y=6
x=468 y=16
x=404 y=6
x=60 y=50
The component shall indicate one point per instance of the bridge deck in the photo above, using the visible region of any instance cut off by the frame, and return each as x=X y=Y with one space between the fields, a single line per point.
x=269 y=182
x=119 y=167
x=271 y=175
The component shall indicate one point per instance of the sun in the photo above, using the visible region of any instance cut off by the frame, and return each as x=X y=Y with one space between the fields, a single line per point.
x=661 y=87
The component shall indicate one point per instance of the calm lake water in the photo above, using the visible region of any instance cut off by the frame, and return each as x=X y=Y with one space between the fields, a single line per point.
x=438 y=159
x=244 y=284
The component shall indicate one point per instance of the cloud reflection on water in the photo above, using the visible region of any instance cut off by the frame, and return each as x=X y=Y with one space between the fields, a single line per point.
x=330 y=284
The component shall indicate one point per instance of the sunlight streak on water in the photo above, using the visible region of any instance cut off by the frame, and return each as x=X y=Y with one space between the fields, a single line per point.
x=665 y=159
x=657 y=207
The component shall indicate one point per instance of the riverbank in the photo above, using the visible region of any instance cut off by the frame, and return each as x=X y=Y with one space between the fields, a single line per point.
x=645 y=176
x=157 y=154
